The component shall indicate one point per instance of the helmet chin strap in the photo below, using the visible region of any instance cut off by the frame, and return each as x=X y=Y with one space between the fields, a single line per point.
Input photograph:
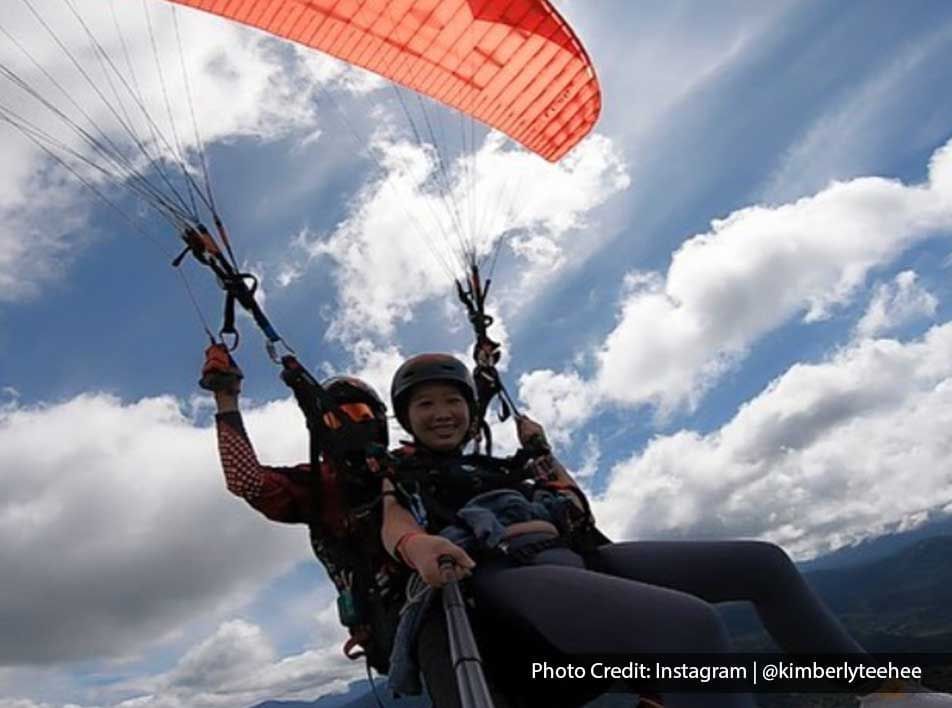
x=475 y=434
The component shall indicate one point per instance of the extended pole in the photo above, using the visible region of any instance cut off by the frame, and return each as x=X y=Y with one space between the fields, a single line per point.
x=467 y=663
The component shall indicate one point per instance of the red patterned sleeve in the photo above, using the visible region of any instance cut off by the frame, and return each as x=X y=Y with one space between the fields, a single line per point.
x=280 y=493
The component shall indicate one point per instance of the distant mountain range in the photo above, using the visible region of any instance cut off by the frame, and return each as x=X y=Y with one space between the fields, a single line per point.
x=880 y=547
x=893 y=593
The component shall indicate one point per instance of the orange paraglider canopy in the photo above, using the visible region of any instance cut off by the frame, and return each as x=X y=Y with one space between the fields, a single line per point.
x=515 y=65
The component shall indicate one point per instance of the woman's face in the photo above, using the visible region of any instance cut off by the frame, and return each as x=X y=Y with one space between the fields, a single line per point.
x=439 y=416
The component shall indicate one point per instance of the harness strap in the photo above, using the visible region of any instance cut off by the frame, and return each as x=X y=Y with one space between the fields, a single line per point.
x=350 y=653
x=357 y=639
x=314 y=401
x=524 y=554
x=331 y=503
x=412 y=480
x=486 y=354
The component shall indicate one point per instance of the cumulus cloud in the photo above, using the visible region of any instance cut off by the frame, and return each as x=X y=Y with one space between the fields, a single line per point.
x=402 y=244
x=238 y=665
x=560 y=401
x=677 y=333
x=830 y=453
x=896 y=303
x=117 y=529
x=756 y=269
x=376 y=365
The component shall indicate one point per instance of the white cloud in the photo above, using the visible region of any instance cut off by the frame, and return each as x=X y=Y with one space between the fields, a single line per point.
x=400 y=247
x=677 y=334
x=559 y=401
x=894 y=304
x=591 y=456
x=40 y=687
x=32 y=252
x=756 y=269
x=376 y=365
x=828 y=454
x=27 y=703
x=237 y=665
x=117 y=530
x=236 y=650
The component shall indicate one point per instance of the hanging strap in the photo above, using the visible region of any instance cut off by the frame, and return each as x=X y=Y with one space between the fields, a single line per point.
x=318 y=408
x=239 y=287
x=486 y=354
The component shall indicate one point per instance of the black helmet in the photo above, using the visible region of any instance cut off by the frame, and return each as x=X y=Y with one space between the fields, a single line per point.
x=365 y=410
x=349 y=389
x=430 y=368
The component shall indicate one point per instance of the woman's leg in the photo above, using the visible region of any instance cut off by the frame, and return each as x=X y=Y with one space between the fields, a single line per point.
x=721 y=571
x=580 y=612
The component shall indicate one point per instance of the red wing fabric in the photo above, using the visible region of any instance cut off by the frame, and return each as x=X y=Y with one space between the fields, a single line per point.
x=514 y=65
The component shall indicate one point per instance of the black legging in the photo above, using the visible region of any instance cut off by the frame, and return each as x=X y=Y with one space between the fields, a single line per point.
x=724 y=571
x=651 y=597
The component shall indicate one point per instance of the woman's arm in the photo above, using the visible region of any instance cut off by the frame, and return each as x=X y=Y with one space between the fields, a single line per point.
x=398 y=522
x=409 y=543
x=547 y=466
x=226 y=402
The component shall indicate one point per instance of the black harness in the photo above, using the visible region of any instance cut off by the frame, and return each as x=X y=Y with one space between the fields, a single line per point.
x=445 y=483
x=345 y=527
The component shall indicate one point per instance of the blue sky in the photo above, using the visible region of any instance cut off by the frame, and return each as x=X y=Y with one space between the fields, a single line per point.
x=729 y=307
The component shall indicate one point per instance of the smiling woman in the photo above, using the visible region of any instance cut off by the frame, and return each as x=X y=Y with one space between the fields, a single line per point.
x=545 y=579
